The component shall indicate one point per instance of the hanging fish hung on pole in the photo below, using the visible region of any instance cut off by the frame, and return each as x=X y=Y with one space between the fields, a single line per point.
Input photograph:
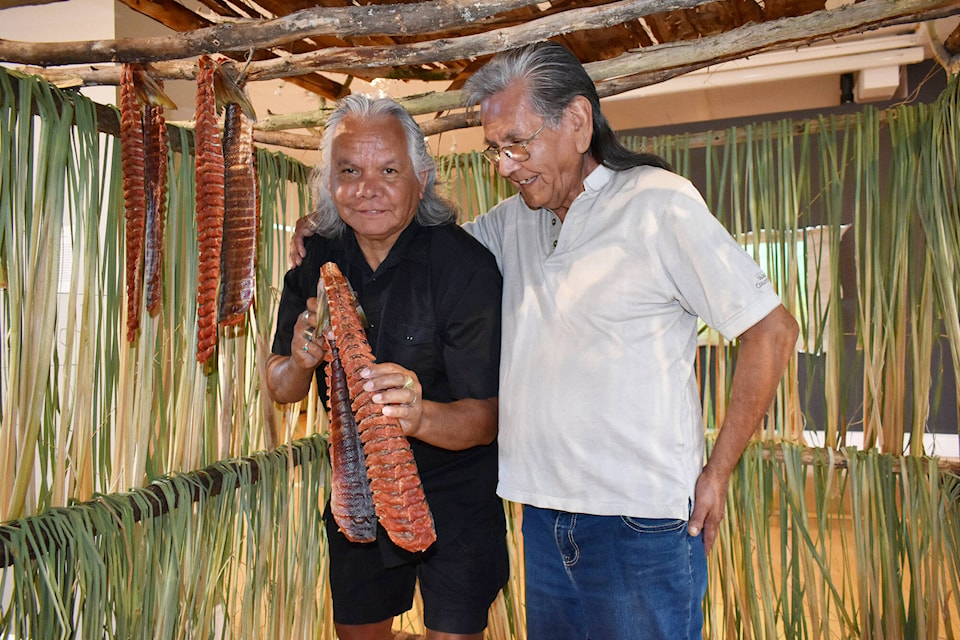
x=241 y=213
x=398 y=498
x=143 y=155
x=134 y=194
x=209 y=177
x=155 y=165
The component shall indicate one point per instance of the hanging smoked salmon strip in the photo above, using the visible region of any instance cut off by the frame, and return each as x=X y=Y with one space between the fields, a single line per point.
x=134 y=193
x=240 y=218
x=155 y=166
x=143 y=157
x=209 y=215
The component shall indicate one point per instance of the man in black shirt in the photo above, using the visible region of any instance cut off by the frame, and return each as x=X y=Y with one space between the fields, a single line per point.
x=431 y=295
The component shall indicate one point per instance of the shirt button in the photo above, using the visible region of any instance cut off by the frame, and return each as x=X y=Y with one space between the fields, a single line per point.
x=553 y=221
x=554 y=244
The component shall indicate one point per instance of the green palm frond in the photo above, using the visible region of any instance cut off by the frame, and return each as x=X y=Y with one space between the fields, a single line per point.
x=817 y=543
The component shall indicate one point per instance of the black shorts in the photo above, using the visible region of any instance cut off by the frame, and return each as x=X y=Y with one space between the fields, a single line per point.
x=459 y=579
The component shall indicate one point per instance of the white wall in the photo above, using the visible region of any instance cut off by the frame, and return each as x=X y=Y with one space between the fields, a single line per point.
x=63 y=22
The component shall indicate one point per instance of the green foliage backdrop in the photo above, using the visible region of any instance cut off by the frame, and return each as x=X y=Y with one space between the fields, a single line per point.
x=143 y=495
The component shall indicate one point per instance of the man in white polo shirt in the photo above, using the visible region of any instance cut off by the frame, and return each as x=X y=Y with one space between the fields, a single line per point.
x=608 y=260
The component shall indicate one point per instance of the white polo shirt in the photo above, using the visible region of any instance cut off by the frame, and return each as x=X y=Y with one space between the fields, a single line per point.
x=599 y=405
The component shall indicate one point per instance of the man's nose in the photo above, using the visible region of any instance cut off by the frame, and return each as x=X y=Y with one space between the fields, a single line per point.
x=367 y=187
x=506 y=165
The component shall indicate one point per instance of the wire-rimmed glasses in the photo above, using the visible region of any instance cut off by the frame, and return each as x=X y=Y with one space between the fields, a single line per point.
x=517 y=151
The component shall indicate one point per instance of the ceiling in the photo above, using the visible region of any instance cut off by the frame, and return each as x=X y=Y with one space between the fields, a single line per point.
x=324 y=46
x=589 y=44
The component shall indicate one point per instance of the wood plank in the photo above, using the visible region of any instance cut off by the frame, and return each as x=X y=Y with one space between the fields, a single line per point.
x=775 y=9
x=172 y=14
x=952 y=43
x=10 y=4
x=389 y=20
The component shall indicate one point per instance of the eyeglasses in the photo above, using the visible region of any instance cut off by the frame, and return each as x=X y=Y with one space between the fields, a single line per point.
x=517 y=151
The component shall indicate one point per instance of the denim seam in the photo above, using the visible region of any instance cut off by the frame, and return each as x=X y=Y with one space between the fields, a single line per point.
x=640 y=525
x=570 y=540
x=690 y=585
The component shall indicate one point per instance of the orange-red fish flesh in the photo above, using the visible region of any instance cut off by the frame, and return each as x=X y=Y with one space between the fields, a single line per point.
x=209 y=216
x=351 y=501
x=238 y=253
x=398 y=497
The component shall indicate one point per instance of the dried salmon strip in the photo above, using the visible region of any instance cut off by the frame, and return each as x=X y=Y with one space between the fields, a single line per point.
x=238 y=253
x=155 y=167
x=134 y=194
x=210 y=203
x=351 y=501
x=398 y=497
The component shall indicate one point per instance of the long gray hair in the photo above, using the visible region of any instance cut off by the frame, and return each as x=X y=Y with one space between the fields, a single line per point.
x=554 y=77
x=433 y=209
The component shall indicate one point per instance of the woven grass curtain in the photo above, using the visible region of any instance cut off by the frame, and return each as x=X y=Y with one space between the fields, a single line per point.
x=84 y=411
x=244 y=561
x=97 y=416
x=790 y=192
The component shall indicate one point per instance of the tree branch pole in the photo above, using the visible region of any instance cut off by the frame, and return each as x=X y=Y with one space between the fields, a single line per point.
x=737 y=43
x=810 y=456
x=661 y=62
x=206 y=483
x=629 y=71
x=342 y=22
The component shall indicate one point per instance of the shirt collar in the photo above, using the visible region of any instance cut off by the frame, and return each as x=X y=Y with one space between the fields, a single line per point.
x=598 y=178
x=398 y=251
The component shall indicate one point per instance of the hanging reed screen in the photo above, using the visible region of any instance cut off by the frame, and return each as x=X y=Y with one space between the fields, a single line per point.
x=856 y=221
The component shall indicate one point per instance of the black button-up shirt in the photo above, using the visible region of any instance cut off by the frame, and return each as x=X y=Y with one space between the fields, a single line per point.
x=433 y=306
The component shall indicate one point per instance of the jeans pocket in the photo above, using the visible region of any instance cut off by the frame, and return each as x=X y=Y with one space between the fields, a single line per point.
x=654 y=525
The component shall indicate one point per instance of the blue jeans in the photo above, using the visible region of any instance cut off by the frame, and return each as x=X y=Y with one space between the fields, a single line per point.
x=611 y=577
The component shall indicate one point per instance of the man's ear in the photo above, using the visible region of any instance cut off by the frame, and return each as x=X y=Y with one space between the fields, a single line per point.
x=580 y=112
x=423 y=183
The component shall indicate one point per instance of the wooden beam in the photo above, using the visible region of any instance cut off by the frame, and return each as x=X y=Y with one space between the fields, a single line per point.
x=737 y=43
x=719 y=138
x=817 y=456
x=390 y=20
x=656 y=64
x=154 y=500
x=626 y=72
x=168 y=13
x=785 y=32
x=10 y=4
x=347 y=60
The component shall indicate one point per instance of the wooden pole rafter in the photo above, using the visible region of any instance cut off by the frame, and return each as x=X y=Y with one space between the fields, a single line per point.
x=428 y=48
